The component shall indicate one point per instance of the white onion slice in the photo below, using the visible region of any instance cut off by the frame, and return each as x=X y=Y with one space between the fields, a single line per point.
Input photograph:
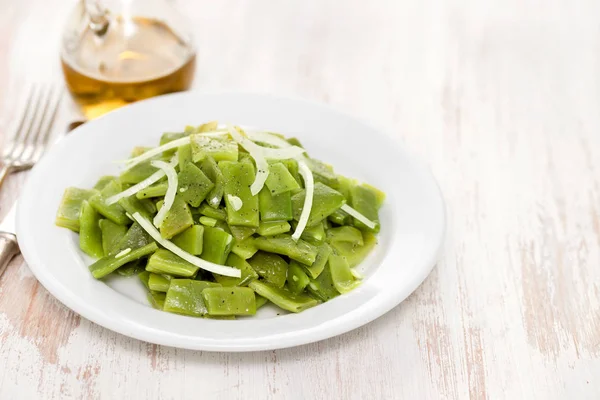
x=309 y=184
x=358 y=216
x=255 y=151
x=217 y=133
x=262 y=172
x=283 y=153
x=198 y=262
x=356 y=274
x=172 y=180
x=274 y=140
x=235 y=202
x=268 y=138
x=132 y=162
x=155 y=177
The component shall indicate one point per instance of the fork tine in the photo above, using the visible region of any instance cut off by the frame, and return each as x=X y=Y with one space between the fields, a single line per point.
x=23 y=144
x=22 y=115
x=44 y=95
x=46 y=122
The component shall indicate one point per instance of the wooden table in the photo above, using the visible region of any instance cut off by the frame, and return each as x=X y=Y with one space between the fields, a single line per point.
x=500 y=98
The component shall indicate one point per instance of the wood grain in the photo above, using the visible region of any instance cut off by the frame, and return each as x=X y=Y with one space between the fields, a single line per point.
x=499 y=98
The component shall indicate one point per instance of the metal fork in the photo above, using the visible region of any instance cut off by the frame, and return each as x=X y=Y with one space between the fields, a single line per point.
x=28 y=142
x=22 y=151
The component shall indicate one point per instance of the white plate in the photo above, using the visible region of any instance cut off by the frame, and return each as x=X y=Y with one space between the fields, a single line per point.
x=413 y=220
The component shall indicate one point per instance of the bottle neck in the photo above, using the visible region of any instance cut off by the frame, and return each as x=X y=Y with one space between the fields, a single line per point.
x=98 y=15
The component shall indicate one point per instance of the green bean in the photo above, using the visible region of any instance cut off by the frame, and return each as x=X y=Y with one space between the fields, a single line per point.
x=90 y=235
x=217 y=245
x=314 y=234
x=274 y=207
x=341 y=276
x=315 y=269
x=354 y=253
x=241 y=232
x=106 y=265
x=159 y=283
x=103 y=181
x=185 y=297
x=270 y=266
x=111 y=235
x=323 y=173
x=273 y=228
x=366 y=200
x=345 y=234
x=138 y=173
x=322 y=287
x=132 y=268
x=157 y=190
x=299 y=250
x=178 y=219
x=242 y=206
x=69 y=209
x=191 y=240
x=229 y=300
x=297 y=280
x=244 y=248
x=184 y=155
x=165 y=262
x=135 y=238
x=248 y=273
x=208 y=221
x=132 y=205
x=211 y=170
x=220 y=150
x=216 y=213
x=194 y=186
x=283 y=298
x=114 y=212
x=325 y=202
x=260 y=301
x=280 y=180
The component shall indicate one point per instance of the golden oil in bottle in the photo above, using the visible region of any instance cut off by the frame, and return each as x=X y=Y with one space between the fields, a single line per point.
x=136 y=58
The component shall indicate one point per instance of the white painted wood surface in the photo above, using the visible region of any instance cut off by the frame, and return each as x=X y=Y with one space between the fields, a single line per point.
x=500 y=98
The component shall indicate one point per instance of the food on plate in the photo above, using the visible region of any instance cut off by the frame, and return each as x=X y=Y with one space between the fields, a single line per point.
x=217 y=221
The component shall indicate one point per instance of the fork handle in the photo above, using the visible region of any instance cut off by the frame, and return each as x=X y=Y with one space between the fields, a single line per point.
x=4 y=171
x=8 y=249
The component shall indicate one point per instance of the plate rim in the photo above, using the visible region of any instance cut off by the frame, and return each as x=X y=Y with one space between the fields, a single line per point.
x=353 y=320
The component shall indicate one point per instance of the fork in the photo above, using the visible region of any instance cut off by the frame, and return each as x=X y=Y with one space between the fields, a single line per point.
x=30 y=138
x=22 y=151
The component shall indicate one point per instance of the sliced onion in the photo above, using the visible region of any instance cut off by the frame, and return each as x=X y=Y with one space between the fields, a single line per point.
x=283 y=153
x=217 y=133
x=169 y=170
x=356 y=274
x=358 y=216
x=132 y=162
x=198 y=262
x=268 y=138
x=262 y=172
x=155 y=177
x=309 y=184
x=255 y=151
x=235 y=202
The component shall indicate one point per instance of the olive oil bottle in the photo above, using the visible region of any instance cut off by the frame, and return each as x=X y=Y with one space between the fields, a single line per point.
x=109 y=61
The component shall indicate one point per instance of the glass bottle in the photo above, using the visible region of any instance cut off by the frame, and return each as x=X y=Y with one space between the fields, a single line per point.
x=118 y=51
